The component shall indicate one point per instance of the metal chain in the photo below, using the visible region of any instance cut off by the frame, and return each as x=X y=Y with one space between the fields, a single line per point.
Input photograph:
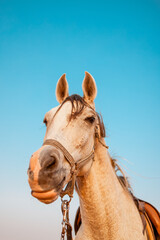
x=66 y=226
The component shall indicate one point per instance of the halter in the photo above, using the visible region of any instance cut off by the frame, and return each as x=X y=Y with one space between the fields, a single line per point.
x=75 y=166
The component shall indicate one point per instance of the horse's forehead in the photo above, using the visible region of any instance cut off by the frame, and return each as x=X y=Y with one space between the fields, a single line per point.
x=64 y=111
x=50 y=113
x=57 y=109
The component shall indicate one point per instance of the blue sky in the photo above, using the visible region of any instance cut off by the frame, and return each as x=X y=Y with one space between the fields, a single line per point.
x=118 y=42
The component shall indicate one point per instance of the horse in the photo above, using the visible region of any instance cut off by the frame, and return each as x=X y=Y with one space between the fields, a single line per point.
x=74 y=153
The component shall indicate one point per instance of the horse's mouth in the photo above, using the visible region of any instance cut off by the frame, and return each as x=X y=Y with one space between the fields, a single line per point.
x=46 y=196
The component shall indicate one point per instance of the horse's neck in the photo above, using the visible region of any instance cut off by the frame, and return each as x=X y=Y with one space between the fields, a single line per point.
x=103 y=202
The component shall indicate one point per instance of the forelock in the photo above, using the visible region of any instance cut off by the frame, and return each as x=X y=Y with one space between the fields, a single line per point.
x=78 y=104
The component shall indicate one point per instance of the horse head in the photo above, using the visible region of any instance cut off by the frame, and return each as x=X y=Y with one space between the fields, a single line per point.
x=69 y=141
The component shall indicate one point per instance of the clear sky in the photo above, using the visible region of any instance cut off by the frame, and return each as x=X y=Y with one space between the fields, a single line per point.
x=118 y=42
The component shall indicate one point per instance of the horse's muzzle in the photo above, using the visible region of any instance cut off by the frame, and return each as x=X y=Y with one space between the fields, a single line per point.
x=45 y=175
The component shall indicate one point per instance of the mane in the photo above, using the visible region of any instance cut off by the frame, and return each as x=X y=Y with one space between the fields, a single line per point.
x=78 y=104
x=121 y=178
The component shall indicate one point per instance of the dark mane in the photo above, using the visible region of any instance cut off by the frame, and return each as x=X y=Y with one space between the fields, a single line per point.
x=78 y=104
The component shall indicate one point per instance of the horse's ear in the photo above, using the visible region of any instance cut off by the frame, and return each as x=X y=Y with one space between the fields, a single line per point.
x=62 y=89
x=89 y=88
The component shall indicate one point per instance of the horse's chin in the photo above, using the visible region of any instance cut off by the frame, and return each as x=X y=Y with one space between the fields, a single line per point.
x=46 y=196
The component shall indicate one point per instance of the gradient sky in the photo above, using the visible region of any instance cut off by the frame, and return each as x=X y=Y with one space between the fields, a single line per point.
x=118 y=42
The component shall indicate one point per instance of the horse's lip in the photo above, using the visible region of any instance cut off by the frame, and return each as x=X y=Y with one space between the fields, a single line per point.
x=45 y=196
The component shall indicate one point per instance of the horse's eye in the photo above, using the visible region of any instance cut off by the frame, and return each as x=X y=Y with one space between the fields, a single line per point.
x=45 y=121
x=90 y=119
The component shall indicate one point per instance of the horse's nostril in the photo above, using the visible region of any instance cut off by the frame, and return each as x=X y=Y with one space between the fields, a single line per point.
x=30 y=173
x=49 y=164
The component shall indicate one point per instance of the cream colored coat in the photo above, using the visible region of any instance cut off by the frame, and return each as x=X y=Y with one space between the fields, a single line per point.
x=107 y=209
